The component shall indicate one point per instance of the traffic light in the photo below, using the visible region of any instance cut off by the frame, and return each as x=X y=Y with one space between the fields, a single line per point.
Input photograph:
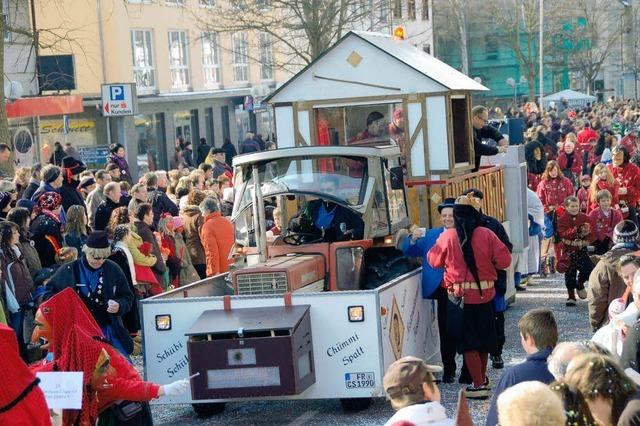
x=398 y=33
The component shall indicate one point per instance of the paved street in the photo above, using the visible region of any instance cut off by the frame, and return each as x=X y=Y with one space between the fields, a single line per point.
x=549 y=293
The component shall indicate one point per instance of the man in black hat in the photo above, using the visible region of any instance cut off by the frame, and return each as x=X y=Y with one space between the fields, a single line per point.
x=417 y=244
x=71 y=169
x=219 y=165
x=101 y=285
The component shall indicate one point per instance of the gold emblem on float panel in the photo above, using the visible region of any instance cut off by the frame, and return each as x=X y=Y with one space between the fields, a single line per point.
x=354 y=59
x=396 y=330
x=436 y=198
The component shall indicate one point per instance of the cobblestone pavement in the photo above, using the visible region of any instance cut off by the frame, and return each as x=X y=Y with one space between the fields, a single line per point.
x=543 y=292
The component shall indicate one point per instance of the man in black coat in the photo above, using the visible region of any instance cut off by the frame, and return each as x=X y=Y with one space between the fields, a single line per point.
x=202 y=151
x=481 y=130
x=229 y=151
x=156 y=185
x=34 y=182
x=112 y=201
x=71 y=196
x=101 y=285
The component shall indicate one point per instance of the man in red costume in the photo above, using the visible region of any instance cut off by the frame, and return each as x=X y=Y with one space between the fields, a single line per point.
x=628 y=176
x=77 y=344
x=22 y=402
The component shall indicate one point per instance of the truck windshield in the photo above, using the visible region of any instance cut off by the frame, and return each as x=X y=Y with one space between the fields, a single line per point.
x=340 y=178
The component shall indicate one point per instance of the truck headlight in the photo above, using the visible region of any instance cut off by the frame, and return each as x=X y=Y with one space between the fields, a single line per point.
x=163 y=322
x=356 y=313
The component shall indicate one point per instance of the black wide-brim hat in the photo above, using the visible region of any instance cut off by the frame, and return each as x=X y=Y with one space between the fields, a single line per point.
x=447 y=202
x=75 y=167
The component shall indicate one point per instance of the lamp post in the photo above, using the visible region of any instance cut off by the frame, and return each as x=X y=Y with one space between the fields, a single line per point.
x=541 y=72
x=512 y=83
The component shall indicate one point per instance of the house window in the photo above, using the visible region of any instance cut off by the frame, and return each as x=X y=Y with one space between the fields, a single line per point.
x=263 y=4
x=211 y=59
x=174 y=2
x=240 y=59
x=207 y=3
x=397 y=9
x=491 y=46
x=178 y=61
x=411 y=9
x=426 y=48
x=384 y=12
x=266 y=57
x=142 y=55
x=425 y=10
x=5 y=17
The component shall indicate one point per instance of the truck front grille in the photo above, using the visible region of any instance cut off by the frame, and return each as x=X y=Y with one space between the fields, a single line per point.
x=263 y=283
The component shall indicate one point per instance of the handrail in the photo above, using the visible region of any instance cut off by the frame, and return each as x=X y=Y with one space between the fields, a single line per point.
x=453 y=179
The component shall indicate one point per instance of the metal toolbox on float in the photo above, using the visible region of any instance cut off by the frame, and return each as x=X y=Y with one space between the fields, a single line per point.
x=246 y=352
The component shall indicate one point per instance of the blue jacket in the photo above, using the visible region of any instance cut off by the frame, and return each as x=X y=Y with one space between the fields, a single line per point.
x=534 y=368
x=431 y=277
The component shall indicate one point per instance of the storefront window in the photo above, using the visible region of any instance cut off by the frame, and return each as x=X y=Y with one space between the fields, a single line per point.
x=151 y=142
x=183 y=125
x=362 y=125
x=243 y=123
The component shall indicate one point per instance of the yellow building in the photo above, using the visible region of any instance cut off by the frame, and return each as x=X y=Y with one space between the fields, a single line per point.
x=189 y=83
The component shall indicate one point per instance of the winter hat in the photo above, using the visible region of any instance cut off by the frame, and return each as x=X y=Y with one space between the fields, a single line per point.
x=5 y=199
x=86 y=182
x=27 y=204
x=49 y=201
x=404 y=378
x=97 y=245
x=625 y=232
x=49 y=174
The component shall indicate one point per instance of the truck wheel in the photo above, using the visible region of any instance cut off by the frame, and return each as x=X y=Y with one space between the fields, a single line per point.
x=355 y=404
x=208 y=409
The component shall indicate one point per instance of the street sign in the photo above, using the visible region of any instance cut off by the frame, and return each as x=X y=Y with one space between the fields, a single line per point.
x=93 y=156
x=118 y=99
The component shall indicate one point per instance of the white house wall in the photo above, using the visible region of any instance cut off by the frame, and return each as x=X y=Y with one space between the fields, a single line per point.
x=374 y=68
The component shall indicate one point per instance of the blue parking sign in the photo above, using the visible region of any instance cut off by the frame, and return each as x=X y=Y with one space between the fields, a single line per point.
x=116 y=93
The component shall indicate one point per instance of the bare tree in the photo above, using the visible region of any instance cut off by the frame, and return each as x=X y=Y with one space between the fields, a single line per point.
x=300 y=30
x=456 y=12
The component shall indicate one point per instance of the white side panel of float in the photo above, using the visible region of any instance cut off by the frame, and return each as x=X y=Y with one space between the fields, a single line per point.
x=417 y=150
x=437 y=133
x=304 y=127
x=284 y=127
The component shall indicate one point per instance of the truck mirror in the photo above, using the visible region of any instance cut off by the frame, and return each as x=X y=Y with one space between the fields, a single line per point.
x=396 y=174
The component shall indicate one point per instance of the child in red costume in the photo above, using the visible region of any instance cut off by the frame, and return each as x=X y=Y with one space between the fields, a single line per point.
x=77 y=343
x=583 y=193
x=570 y=161
x=573 y=259
x=602 y=179
x=628 y=177
x=603 y=219
x=22 y=402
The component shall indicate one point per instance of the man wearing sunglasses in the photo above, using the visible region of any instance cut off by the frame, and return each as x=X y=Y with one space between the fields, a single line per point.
x=482 y=131
x=101 y=285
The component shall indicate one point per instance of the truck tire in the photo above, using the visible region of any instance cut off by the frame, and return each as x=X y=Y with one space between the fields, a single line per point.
x=355 y=404
x=209 y=408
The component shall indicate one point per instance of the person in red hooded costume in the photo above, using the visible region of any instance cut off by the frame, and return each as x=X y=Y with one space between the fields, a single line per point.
x=628 y=177
x=22 y=402
x=77 y=344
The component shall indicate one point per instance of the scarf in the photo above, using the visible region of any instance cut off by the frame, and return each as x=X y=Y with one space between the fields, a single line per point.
x=123 y=248
x=120 y=162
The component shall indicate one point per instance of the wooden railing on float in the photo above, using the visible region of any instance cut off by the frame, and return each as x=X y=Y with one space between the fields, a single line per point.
x=423 y=196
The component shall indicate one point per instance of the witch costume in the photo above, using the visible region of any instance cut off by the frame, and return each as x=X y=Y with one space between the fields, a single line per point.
x=96 y=287
x=471 y=256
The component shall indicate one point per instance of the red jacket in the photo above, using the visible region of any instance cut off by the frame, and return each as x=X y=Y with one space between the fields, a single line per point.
x=602 y=225
x=217 y=236
x=490 y=254
x=552 y=192
x=613 y=189
x=583 y=198
x=628 y=176
x=576 y=166
x=576 y=229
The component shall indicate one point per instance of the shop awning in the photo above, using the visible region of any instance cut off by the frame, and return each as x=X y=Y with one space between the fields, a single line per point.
x=42 y=106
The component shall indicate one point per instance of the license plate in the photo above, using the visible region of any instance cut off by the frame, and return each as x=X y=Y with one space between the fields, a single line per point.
x=359 y=380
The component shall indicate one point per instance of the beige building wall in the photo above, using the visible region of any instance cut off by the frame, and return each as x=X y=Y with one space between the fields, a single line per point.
x=119 y=17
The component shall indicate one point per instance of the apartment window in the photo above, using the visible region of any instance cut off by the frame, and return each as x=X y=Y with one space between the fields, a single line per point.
x=211 y=59
x=397 y=9
x=426 y=48
x=178 y=61
x=411 y=9
x=263 y=4
x=425 y=10
x=141 y=49
x=174 y=2
x=266 y=57
x=5 y=17
x=239 y=5
x=384 y=11
x=491 y=43
x=240 y=57
x=207 y=3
